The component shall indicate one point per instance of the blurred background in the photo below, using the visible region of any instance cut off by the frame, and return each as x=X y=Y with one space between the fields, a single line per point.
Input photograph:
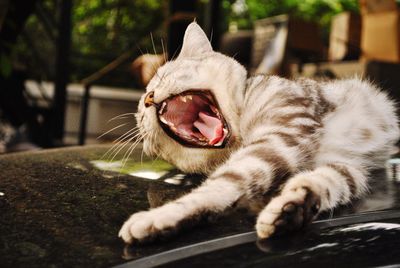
x=68 y=67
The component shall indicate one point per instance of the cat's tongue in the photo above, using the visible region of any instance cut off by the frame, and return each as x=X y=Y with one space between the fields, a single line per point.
x=210 y=127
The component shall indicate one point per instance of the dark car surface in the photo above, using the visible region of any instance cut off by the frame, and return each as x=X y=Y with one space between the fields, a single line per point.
x=64 y=207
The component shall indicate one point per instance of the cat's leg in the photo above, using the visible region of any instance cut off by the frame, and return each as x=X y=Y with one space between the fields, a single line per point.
x=213 y=196
x=307 y=194
x=250 y=170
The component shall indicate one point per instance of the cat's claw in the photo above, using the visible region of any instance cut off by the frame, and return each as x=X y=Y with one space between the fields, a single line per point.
x=146 y=226
x=290 y=211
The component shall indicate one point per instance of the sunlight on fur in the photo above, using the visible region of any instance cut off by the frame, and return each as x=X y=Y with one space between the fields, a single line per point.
x=300 y=147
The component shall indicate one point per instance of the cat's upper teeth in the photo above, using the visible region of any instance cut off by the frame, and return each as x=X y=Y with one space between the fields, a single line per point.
x=183 y=98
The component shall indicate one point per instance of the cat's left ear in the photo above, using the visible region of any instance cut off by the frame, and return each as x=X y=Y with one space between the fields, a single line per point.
x=195 y=42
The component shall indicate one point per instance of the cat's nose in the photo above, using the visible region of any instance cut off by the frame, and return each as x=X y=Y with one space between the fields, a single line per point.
x=149 y=99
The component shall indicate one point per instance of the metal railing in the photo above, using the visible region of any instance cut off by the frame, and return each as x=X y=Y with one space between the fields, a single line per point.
x=87 y=84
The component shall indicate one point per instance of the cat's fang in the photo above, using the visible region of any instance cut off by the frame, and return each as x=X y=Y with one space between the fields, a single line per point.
x=161 y=111
x=163 y=120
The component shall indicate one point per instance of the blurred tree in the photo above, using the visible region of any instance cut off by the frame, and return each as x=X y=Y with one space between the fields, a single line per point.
x=320 y=11
x=114 y=25
x=102 y=30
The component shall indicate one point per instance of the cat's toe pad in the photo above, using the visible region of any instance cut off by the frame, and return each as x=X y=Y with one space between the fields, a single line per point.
x=288 y=212
x=148 y=225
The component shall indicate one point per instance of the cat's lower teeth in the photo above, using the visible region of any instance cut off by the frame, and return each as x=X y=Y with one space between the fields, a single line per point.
x=202 y=139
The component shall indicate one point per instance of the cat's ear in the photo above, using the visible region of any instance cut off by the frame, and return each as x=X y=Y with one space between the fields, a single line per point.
x=195 y=42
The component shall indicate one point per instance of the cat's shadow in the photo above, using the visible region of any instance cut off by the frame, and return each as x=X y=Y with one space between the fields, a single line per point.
x=171 y=186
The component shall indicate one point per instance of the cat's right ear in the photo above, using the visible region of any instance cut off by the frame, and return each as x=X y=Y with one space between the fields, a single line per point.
x=195 y=42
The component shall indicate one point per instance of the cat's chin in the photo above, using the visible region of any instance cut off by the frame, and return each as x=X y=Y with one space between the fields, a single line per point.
x=193 y=119
x=195 y=160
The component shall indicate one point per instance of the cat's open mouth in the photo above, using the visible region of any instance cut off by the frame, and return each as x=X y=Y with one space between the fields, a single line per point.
x=193 y=119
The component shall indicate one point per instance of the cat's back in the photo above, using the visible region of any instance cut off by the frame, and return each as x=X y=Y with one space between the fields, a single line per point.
x=361 y=103
x=354 y=115
x=363 y=121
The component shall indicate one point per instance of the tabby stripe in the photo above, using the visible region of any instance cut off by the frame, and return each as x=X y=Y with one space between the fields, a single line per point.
x=260 y=141
x=258 y=120
x=298 y=101
x=342 y=170
x=284 y=120
x=280 y=166
x=307 y=130
x=257 y=186
x=232 y=176
x=324 y=106
x=288 y=139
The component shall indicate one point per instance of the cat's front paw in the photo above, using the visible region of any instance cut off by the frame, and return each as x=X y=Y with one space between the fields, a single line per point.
x=290 y=211
x=147 y=225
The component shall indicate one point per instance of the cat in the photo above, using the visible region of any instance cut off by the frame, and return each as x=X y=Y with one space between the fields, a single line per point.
x=288 y=150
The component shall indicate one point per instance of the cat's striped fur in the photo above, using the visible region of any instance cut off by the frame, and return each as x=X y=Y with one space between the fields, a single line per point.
x=298 y=147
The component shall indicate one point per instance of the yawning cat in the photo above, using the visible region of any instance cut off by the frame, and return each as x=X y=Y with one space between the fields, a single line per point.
x=296 y=147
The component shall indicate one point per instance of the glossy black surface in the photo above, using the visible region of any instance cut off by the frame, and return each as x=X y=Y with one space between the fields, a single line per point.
x=59 y=209
x=358 y=245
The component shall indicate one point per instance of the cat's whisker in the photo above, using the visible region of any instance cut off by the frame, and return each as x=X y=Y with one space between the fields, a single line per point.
x=122 y=146
x=176 y=51
x=128 y=153
x=121 y=116
x=118 y=141
x=147 y=52
x=155 y=68
x=122 y=137
x=152 y=42
x=130 y=150
x=141 y=51
x=163 y=50
x=141 y=157
x=116 y=151
x=114 y=128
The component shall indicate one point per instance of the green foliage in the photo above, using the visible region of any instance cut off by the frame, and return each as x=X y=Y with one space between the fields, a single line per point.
x=5 y=65
x=320 y=11
x=102 y=30
x=102 y=26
